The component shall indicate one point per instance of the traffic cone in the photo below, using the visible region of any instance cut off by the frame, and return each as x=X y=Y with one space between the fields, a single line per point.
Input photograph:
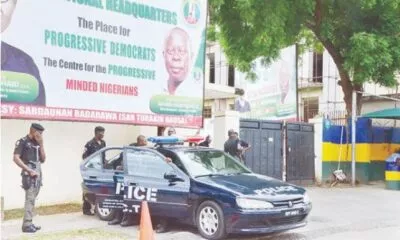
x=146 y=227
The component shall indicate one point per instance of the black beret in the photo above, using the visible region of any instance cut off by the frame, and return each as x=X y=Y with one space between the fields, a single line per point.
x=37 y=126
x=99 y=129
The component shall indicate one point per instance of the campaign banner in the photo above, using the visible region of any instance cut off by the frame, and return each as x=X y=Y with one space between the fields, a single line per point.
x=120 y=61
x=273 y=95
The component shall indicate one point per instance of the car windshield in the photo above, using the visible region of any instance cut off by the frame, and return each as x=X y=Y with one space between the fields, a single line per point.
x=208 y=163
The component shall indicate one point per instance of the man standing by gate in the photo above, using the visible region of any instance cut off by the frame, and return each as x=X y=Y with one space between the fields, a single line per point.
x=91 y=147
x=236 y=147
x=29 y=155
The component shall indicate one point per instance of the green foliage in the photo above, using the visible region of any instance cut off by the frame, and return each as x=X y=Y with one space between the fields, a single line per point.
x=363 y=35
x=306 y=40
x=372 y=57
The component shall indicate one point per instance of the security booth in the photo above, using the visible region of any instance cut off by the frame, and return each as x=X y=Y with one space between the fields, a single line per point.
x=392 y=162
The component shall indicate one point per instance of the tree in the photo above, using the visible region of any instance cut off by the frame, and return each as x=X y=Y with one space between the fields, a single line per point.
x=362 y=36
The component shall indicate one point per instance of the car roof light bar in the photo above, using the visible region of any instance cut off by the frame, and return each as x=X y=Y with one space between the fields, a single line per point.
x=194 y=139
x=160 y=140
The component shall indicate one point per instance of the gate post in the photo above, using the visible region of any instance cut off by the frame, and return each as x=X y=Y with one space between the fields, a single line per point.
x=224 y=121
x=318 y=141
x=284 y=150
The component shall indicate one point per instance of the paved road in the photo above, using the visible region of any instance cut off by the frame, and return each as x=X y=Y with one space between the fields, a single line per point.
x=367 y=212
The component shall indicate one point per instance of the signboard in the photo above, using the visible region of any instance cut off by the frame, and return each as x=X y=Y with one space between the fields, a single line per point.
x=273 y=95
x=135 y=62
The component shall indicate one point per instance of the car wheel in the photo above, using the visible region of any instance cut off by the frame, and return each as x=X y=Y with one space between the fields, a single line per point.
x=210 y=220
x=105 y=214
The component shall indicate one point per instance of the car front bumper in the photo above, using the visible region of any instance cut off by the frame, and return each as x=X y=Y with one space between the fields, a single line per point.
x=267 y=221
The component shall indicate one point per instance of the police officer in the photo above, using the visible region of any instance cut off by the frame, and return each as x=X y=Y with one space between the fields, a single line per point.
x=29 y=154
x=91 y=147
x=125 y=219
x=230 y=145
x=171 y=131
x=236 y=147
x=242 y=147
x=96 y=143
x=206 y=142
x=141 y=141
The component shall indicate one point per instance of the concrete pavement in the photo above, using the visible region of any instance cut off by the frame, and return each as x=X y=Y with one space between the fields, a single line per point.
x=366 y=212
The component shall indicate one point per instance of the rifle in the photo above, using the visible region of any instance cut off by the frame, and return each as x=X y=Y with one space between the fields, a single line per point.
x=27 y=180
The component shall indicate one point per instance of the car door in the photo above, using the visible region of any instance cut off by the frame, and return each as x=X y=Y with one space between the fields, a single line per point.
x=145 y=179
x=99 y=179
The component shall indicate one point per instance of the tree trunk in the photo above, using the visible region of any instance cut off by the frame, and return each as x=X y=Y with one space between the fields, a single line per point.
x=348 y=87
x=345 y=82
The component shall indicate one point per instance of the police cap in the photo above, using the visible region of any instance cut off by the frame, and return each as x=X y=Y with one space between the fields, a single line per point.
x=99 y=129
x=37 y=126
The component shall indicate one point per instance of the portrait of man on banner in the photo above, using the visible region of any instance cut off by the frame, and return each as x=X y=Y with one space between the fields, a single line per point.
x=20 y=78
x=242 y=105
x=287 y=85
x=177 y=59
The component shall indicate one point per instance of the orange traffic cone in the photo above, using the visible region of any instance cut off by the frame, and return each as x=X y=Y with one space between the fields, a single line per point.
x=146 y=227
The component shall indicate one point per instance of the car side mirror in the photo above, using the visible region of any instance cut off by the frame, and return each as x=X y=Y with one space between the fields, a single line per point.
x=173 y=177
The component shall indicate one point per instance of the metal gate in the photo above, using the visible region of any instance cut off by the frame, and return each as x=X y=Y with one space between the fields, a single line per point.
x=300 y=153
x=265 y=137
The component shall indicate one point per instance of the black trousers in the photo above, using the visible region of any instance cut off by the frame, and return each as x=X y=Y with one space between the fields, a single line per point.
x=86 y=207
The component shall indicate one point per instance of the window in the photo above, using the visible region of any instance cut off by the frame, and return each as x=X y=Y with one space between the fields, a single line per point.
x=211 y=56
x=207 y=112
x=311 y=108
x=95 y=162
x=317 y=67
x=146 y=164
x=113 y=154
x=200 y=163
x=175 y=159
x=112 y=158
x=231 y=76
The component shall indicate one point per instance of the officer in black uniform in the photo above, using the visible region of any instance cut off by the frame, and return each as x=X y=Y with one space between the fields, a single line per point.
x=91 y=147
x=29 y=154
x=126 y=219
x=206 y=142
x=230 y=145
x=236 y=147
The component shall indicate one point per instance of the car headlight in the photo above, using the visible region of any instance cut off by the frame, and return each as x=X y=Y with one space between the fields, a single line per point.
x=306 y=198
x=253 y=204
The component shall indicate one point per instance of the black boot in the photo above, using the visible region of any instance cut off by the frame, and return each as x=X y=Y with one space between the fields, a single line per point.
x=37 y=227
x=87 y=208
x=128 y=220
x=161 y=226
x=117 y=219
x=29 y=229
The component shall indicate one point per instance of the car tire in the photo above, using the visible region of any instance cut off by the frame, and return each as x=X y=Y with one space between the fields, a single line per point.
x=104 y=214
x=210 y=221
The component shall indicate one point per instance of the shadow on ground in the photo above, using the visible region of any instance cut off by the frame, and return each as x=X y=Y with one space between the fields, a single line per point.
x=175 y=227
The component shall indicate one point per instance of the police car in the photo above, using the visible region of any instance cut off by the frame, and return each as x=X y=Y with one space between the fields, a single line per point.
x=202 y=186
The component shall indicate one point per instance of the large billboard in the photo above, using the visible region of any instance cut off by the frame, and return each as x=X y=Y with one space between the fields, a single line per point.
x=120 y=61
x=272 y=96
